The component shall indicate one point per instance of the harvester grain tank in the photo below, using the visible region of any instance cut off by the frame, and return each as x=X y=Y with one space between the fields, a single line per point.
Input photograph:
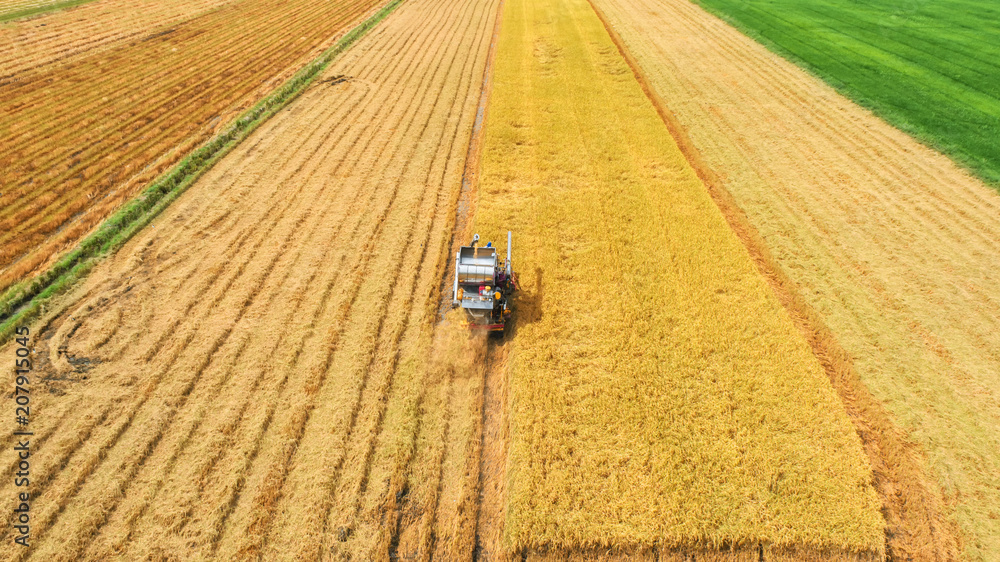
x=484 y=285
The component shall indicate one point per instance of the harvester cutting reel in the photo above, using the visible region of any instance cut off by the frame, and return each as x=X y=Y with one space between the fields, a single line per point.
x=484 y=285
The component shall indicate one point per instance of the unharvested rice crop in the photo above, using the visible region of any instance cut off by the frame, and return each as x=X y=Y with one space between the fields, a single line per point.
x=893 y=248
x=660 y=397
x=258 y=372
x=110 y=122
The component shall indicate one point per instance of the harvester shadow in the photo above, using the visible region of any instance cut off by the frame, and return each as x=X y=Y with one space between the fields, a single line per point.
x=527 y=305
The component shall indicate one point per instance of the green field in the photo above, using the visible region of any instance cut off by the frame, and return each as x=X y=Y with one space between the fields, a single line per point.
x=929 y=67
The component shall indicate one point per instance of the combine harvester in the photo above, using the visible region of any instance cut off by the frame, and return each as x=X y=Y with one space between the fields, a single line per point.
x=484 y=285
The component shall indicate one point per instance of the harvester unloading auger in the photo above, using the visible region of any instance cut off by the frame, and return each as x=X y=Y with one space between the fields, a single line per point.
x=484 y=285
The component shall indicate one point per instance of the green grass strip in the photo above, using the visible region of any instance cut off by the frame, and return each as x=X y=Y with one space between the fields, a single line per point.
x=24 y=301
x=36 y=10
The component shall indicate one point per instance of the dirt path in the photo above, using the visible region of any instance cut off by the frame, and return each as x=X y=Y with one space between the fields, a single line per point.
x=886 y=250
x=258 y=373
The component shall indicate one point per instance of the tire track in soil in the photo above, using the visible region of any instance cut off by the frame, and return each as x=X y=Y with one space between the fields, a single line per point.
x=483 y=472
x=490 y=454
x=492 y=458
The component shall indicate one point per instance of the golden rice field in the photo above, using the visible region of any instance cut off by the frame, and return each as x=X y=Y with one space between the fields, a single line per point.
x=755 y=323
x=659 y=395
x=894 y=249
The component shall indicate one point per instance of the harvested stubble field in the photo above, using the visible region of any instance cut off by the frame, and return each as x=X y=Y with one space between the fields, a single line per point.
x=258 y=373
x=58 y=38
x=110 y=122
x=889 y=250
x=661 y=402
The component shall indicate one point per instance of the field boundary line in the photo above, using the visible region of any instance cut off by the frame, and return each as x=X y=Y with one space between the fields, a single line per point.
x=917 y=525
x=24 y=301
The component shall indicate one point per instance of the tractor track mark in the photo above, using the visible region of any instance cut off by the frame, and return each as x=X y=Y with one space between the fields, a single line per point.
x=492 y=457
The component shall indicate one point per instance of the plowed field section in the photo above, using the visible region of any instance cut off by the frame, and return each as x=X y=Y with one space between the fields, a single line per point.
x=79 y=139
x=253 y=374
x=662 y=402
x=58 y=38
x=895 y=249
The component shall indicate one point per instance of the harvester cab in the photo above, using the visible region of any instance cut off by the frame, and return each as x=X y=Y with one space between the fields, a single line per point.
x=484 y=285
